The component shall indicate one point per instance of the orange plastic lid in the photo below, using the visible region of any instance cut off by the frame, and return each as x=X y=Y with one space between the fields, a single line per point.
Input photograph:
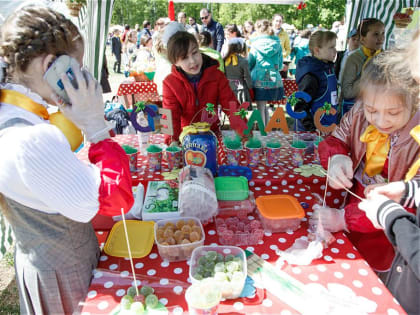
x=280 y=207
x=140 y=234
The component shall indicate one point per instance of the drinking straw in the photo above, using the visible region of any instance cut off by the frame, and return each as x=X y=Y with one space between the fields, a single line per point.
x=129 y=252
x=326 y=181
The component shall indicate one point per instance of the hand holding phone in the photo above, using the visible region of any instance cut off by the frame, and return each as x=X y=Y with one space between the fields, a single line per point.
x=62 y=64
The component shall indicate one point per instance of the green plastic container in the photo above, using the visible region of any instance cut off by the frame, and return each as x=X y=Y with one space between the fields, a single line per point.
x=231 y=188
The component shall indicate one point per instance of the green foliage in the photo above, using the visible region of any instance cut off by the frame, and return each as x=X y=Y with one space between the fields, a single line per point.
x=323 y=12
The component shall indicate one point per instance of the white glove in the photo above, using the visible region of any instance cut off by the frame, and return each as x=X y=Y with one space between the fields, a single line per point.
x=86 y=110
x=340 y=172
x=371 y=206
x=331 y=219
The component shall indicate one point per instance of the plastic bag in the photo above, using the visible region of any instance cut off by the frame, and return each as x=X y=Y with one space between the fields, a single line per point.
x=135 y=211
x=197 y=194
x=302 y=252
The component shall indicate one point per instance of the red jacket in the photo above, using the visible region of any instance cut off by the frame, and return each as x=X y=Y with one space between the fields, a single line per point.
x=369 y=241
x=185 y=103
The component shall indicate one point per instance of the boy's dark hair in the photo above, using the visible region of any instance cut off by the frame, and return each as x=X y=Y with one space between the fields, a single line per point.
x=365 y=24
x=235 y=47
x=126 y=27
x=146 y=23
x=179 y=44
x=233 y=28
x=205 y=39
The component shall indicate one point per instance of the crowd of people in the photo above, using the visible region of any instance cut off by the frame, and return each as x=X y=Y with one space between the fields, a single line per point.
x=49 y=196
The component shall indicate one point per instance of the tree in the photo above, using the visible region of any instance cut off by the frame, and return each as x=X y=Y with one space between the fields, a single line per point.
x=323 y=12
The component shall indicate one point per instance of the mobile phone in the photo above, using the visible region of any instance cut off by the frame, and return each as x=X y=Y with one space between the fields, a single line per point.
x=62 y=64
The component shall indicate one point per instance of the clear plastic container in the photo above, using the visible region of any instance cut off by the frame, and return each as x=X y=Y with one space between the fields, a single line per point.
x=279 y=213
x=239 y=231
x=239 y=208
x=170 y=249
x=230 y=276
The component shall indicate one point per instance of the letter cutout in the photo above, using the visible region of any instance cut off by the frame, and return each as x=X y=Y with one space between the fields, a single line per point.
x=278 y=120
x=292 y=100
x=317 y=120
x=255 y=116
x=236 y=122
x=167 y=126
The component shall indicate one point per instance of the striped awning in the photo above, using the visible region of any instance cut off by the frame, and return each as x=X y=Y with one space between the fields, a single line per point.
x=356 y=10
x=243 y=1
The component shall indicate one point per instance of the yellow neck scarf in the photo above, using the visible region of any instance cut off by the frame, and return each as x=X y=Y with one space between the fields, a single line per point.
x=232 y=59
x=378 y=145
x=415 y=133
x=369 y=54
x=70 y=131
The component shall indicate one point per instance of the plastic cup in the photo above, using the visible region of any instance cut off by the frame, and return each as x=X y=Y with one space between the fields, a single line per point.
x=272 y=153
x=253 y=156
x=233 y=156
x=203 y=298
x=154 y=157
x=298 y=153
x=316 y=153
x=132 y=156
x=173 y=157
x=143 y=138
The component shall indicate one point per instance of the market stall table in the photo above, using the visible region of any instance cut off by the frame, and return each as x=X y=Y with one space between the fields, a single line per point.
x=341 y=269
x=139 y=91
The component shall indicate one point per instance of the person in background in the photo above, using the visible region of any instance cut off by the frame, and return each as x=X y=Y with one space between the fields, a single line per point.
x=124 y=42
x=193 y=24
x=47 y=194
x=116 y=49
x=144 y=32
x=182 y=19
x=193 y=82
x=265 y=60
x=401 y=227
x=205 y=48
x=372 y=36
x=231 y=31
x=352 y=44
x=106 y=88
x=237 y=70
x=131 y=48
x=300 y=48
x=373 y=145
x=315 y=76
x=277 y=22
x=214 y=28
x=248 y=29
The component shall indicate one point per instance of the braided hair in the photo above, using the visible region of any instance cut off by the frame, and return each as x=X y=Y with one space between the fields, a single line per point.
x=34 y=31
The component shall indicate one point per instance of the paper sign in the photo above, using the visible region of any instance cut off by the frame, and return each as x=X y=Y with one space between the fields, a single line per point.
x=255 y=116
x=317 y=120
x=278 y=120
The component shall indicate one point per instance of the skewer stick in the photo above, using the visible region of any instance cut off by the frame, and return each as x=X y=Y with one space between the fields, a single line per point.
x=350 y=192
x=129 y=252
x=326 y=182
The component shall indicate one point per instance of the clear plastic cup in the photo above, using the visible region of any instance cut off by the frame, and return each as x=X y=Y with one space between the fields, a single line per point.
x=203 y=297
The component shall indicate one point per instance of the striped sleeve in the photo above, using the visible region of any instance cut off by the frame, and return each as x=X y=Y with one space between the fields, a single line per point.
x=385 y=209
x=411 y=197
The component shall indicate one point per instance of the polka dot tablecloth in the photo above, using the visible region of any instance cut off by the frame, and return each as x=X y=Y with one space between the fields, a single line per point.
x=142 y=91
x=340 y=269
x=289 y=86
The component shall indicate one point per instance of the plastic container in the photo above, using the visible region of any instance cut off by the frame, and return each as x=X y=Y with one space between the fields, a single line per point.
x=238 y=208
x=231 y=170
x=239 y=231
x=140 y=235
x=230 y=282
x=177 y=252
x=231 y=188
x=279 y=213
x=203 y=298
x=197 y=194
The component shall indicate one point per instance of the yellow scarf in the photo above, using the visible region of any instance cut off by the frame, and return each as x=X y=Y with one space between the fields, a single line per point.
x=415 y=133
x=232 y=59
x=369 y=54
x=70 y=131
x=378 y=145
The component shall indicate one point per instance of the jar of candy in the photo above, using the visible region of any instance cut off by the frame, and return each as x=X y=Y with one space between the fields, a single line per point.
x=199 y=145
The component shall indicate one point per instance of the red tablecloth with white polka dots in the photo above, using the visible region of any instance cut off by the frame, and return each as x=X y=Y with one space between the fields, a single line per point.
x=289 y=86
x=341 y=265
x=141 y=91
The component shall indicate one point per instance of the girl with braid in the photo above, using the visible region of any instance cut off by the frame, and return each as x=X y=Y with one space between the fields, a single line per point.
x=46 y=193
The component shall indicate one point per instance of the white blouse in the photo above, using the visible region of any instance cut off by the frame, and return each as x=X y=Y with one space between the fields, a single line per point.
x=38 y=168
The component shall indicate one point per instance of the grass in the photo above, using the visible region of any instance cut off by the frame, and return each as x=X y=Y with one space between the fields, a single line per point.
x=9 y=299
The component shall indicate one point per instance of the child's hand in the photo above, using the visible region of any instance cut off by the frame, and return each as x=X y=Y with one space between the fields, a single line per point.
x=340 y=172
x=331 y=219
x=87 y=109
x=393 y=191
x=371 y=206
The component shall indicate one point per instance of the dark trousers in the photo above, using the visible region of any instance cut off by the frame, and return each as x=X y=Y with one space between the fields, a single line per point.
x=117 y=63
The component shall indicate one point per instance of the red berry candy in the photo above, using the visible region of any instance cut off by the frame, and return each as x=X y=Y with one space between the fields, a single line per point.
x=139 y=298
